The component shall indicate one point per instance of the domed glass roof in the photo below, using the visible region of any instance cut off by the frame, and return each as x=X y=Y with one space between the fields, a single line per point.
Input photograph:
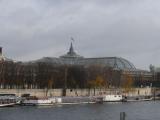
x=72 y=58
x=114 y=62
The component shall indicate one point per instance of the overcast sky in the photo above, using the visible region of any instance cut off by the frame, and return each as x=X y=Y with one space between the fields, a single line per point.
x=32 y=29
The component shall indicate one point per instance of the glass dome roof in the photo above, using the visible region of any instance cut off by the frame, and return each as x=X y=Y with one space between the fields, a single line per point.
x=72 y=58
x=114 y=62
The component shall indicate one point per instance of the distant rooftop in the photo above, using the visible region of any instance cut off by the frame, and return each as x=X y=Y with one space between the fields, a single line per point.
x=72 y=58
x=114 y=62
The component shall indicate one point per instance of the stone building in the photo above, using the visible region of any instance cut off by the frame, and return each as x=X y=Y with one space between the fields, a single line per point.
x=143 y=77
x=31 y=71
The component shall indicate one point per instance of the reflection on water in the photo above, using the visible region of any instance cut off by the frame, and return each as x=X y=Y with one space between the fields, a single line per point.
x=106 y=111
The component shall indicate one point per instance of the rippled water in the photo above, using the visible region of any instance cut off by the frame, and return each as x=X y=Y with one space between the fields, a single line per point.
x=106 y=111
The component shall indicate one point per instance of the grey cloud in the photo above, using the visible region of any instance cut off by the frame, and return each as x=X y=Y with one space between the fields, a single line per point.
x=31 y=29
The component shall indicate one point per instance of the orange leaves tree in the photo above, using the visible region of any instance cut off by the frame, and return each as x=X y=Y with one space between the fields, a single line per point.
x=99 y=82
x=127 y=82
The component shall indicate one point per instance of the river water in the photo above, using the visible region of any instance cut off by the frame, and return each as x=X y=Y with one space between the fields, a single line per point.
x=106 y=111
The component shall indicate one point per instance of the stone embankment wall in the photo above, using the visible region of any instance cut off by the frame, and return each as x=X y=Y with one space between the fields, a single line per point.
x=78 y=92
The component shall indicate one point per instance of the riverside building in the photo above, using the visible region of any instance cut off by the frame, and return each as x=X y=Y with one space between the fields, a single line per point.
x=116 y=63
x=45 y=69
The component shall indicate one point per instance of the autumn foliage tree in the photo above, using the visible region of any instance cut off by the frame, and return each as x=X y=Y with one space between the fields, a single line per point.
x=44 y=75
x=128 y=82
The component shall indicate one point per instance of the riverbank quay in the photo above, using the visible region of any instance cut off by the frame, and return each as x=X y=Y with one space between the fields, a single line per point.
x=82 y=92
x=76 y=96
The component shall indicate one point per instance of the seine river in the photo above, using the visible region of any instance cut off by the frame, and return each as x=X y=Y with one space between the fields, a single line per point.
x=105 y=111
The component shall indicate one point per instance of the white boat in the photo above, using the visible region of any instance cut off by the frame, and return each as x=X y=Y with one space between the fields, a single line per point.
x=7 y=100
x=49 y=101
x=81 y=100
x=35 y=101
x=112 y=98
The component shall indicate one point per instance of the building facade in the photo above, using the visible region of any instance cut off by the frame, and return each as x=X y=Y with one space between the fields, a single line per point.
x=70 y=70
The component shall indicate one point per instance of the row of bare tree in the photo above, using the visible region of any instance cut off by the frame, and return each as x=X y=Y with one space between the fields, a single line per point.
x=47 y=75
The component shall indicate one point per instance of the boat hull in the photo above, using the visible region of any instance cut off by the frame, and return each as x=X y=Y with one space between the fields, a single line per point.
x=7 y=105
